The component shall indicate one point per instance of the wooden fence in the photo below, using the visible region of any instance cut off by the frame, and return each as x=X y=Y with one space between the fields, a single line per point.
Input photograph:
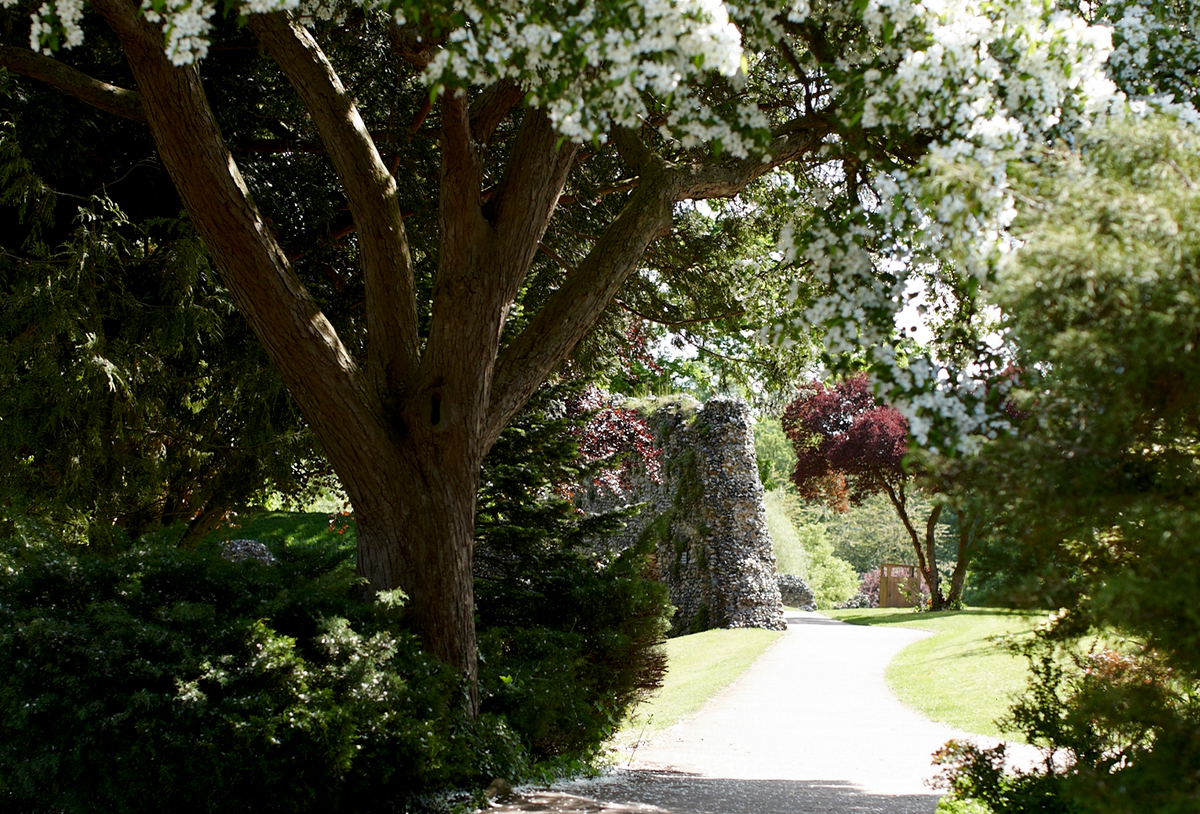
x=899 y=585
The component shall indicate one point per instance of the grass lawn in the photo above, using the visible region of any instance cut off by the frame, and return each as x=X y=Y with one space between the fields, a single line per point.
x=292 y=529
x=962 y=675
x=698 y=667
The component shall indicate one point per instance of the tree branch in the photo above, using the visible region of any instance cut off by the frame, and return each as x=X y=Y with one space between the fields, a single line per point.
x=520 y=208
x=387 y=269
x=633 y=150
x=726 y=179
x=101 y=95
x=572 y=310
x=682 y=322
x=491 y=106
x=411 y=43
x=318 y=370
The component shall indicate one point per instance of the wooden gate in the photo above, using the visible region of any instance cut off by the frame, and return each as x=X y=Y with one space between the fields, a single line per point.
x=899 y=585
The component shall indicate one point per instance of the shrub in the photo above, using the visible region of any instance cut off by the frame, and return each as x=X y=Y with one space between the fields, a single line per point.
x=977 y=782
x=569 y=632
x=789 y=552
x=831 y=578
x=803 y=548
x=570 y=648
x=161 y=679
x=869 y=587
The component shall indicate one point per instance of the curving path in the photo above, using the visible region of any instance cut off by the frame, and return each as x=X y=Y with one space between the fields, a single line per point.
x=810 y=727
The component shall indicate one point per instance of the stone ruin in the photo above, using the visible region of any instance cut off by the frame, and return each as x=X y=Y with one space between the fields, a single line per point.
x=706 y=518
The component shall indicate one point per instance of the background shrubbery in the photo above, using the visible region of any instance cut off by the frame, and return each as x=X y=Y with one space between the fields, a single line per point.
x=150 y=678
x=161 y=679
x=803 y=548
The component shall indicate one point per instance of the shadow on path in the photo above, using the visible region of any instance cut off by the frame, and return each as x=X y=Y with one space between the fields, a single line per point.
x=658 y=792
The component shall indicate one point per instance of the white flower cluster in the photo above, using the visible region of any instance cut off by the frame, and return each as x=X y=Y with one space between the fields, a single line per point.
x=985 y=79
x=186 y=25
x=314 y=11
x=593 y=66
x=1151 y=35
x=50 y=20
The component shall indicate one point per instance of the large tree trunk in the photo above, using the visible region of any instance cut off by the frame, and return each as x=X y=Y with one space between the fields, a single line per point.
x=406 y=432
x=421 y=542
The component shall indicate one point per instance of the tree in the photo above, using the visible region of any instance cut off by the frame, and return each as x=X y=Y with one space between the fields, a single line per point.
x=848 y=448
x=618 y=111
x=1097 y=487
x=125 y=368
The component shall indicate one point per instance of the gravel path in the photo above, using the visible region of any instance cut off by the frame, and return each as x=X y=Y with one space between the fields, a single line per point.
x=810 y=727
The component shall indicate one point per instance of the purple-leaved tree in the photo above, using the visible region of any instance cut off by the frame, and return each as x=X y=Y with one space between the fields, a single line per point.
x=849 y=447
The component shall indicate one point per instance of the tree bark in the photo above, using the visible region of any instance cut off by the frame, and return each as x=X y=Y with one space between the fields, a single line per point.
x=407 y=434
x=968 y=527
x=934 y=580
x=924 y=547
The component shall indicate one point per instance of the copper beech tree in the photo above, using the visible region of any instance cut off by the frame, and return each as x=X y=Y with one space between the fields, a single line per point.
x=849 y=447
x=567 y=133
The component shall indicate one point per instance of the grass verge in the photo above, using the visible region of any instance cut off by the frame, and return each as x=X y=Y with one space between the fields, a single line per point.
x=698 y=667
x=962 y=675
x=311 y=529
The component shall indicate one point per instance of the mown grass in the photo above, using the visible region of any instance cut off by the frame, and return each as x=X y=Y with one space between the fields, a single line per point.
x=698 y=667
x=962 y=675
x=309 y=529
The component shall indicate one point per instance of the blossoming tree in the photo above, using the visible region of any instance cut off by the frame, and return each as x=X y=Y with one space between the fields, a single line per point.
x=852 y=116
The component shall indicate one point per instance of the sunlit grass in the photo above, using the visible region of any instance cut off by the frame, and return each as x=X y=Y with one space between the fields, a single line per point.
x=293 y=529
x=698 y=667
x=963 y=675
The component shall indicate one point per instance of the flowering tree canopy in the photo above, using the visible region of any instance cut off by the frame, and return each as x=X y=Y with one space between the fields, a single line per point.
x=548 y=152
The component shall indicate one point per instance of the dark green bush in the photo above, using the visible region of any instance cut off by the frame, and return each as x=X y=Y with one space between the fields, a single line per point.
x=569 y=632
x=165 y=680
x=566 y=657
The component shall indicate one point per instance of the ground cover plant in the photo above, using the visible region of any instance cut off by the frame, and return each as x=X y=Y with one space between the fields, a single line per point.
x=963 y=675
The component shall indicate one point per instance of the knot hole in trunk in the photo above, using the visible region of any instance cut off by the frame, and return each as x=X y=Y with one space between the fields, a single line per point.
x=435 y=409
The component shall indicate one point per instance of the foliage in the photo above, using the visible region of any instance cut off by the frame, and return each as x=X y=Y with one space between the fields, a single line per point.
x=871 y=533
x=850 y=447
x=774 y=454
x=976 y=779
x=790 y=556
x=570 y=631
x=1100 y=307
x=849 y=118
x=615 y=440
x=162 y=678
x=847 y=446
x=806 y=548
x=134 y=396
x=832 y=579
x=869 y=586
